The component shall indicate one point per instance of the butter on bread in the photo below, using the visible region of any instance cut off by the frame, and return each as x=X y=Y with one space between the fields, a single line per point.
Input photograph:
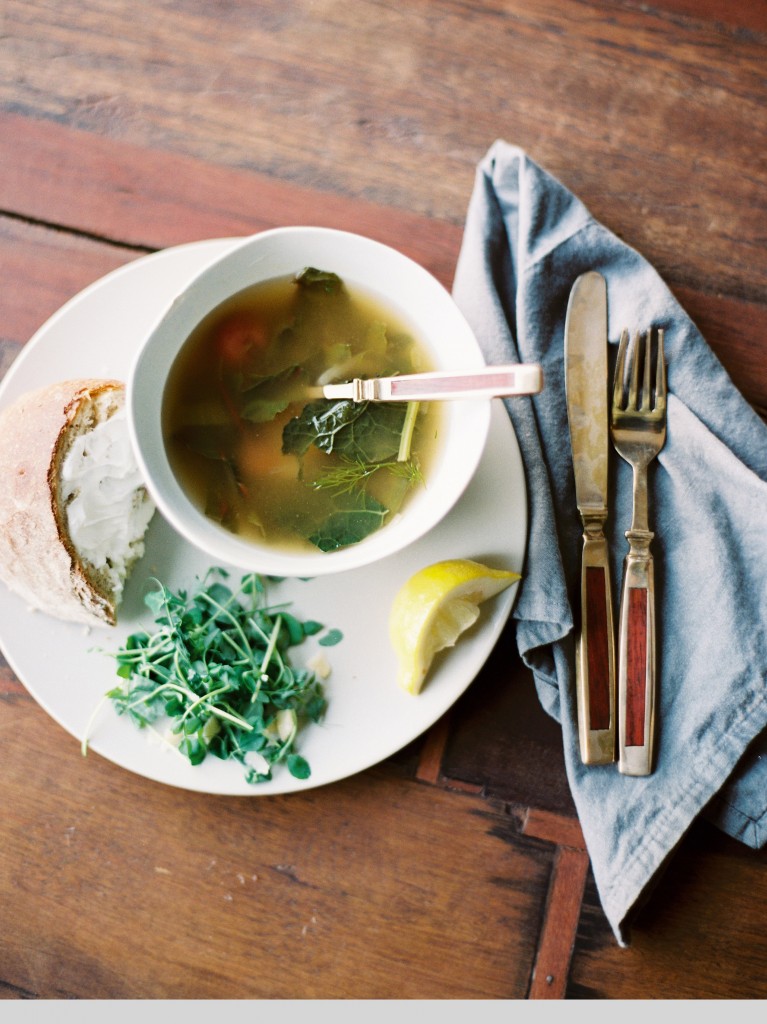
x=73 y=507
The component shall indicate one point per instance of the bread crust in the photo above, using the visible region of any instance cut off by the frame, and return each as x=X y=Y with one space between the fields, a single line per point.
x=37 y=558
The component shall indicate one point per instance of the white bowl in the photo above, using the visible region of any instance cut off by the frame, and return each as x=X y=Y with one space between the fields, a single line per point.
x=378 y=269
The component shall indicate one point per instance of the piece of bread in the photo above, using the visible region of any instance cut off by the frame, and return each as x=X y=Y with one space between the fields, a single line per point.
x=73 y=507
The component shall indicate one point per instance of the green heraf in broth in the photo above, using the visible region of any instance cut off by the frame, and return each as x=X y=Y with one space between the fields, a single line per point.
x=255 y=455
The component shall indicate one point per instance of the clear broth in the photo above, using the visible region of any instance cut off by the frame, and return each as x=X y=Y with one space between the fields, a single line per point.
x=236 y=416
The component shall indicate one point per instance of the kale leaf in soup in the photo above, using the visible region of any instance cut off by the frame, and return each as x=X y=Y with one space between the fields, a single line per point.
x=361 y=431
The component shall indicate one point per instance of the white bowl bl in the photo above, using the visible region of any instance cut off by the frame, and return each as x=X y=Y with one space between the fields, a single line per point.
x=400 y=283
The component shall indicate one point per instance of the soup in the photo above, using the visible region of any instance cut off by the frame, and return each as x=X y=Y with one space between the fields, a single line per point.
x=258 y=453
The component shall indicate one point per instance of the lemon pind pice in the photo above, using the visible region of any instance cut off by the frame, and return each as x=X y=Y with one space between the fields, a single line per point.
x=433 y=608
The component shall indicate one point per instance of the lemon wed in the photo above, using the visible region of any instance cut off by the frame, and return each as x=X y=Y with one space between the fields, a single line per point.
x=434 y=607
